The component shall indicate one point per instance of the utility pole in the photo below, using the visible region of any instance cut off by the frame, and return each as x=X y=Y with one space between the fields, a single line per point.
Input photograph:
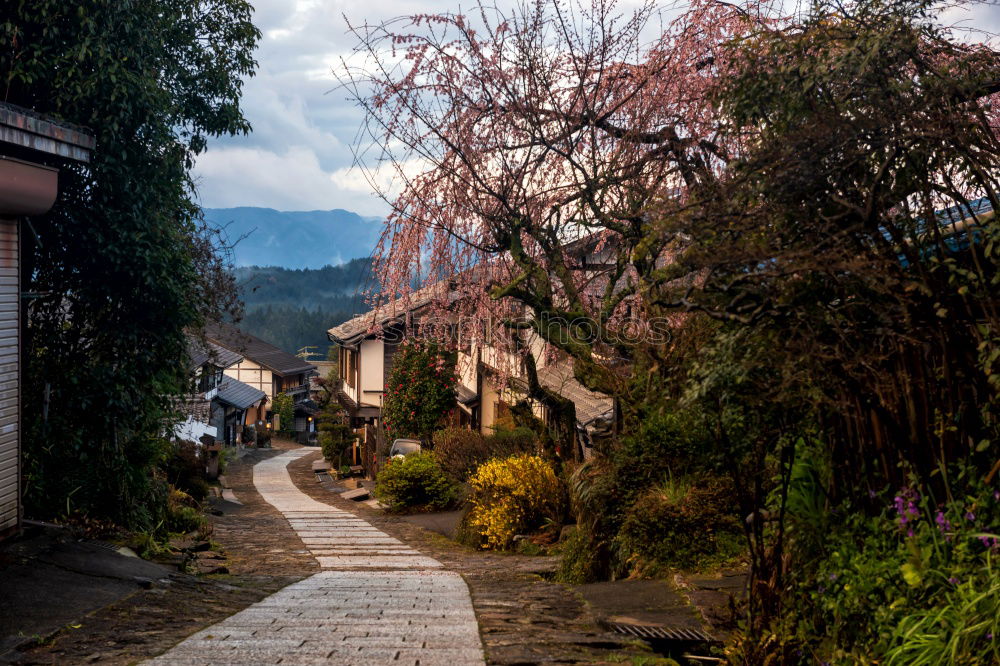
x=307 y=352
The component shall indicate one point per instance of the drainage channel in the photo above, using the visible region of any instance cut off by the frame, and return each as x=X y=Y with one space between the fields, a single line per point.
x=690 y=644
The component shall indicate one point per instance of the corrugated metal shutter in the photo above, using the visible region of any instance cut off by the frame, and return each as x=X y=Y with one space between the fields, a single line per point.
x=10 y=483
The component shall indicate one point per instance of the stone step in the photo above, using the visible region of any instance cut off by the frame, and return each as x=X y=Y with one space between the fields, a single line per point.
x=357 y=495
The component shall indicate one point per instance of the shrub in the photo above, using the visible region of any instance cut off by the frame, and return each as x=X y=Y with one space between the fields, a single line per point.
x=461 y=451
x=661 y=444
x=185 y=470
x=335 y=438
x=419 y=391
x=511 y=496
x=183 y=514
x=283 y=407
x=681 y=523
x=605 y=488
x=509 y=442
x=414 y=482
x=578 y=564
x=335 y=434
x=225 y=457
x=916 y=584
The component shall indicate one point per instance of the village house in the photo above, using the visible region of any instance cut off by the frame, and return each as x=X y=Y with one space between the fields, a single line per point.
x=490 y=378
x=29 y=145
x=220 y=407
x=366 y=345
x=272 y=371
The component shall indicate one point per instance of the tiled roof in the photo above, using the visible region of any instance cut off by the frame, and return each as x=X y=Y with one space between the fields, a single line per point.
x=353 y=329
x=201 y=352
x=238 y=394
x=256 y=350
x=29 y=129
x=307 y=407
x=559 y=377
x=464 y=395
x=195 y=406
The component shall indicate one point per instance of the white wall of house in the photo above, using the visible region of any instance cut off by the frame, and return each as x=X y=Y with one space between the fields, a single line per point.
x=372 y=372
x=193 y=430
x=466 y=366
x=253 y=374
x=537 y=346
x=488 y=400
x=501 y=360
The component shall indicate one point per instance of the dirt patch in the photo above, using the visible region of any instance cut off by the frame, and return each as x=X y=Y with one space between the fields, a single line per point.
x=523 y=617
x=260 y=550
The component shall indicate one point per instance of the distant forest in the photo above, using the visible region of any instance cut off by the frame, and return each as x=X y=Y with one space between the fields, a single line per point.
x=293 y=308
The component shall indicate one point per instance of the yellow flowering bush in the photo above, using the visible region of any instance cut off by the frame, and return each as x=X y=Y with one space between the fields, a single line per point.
x=511 y=496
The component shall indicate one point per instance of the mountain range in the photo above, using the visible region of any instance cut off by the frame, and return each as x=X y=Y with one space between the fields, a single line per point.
x=295 y=239
x=293 y=307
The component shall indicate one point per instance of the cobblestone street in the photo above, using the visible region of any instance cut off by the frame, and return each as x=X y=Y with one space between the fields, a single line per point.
x=377 y=600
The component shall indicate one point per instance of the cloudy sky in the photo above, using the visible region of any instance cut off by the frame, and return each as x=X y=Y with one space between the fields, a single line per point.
x=298 y=156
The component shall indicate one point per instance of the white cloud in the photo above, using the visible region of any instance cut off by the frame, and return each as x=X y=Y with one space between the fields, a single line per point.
x=299 y=154
x=229 y=176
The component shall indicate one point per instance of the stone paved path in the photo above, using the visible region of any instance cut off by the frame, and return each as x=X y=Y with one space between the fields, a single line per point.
x=376 y=601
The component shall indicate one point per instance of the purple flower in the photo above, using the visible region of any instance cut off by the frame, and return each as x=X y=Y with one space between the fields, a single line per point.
x=970 y=516
x=906 y=506
x=953 y=580
x=996 y=495
x=944 y=525
x=833 y=576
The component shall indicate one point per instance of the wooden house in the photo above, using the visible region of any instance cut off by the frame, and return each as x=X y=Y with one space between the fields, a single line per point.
x=219 y=406
x=272 y=371
x=31 y=148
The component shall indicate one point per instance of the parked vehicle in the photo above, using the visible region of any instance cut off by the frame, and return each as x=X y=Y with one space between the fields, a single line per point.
x=402 y=447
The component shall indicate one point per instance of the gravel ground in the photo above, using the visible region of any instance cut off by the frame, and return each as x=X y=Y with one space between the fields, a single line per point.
x=262 y=554
x=524 y=618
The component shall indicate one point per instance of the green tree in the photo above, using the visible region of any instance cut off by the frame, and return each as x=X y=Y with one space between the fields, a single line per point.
x=123 y=261
x=851 y=252
x=283 y=408
x=419 y=391
x=335 y=434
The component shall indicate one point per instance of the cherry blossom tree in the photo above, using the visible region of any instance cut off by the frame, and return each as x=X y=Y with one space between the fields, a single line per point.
x=523 y=142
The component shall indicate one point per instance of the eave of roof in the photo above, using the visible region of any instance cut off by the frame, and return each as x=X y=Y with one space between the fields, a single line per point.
x=28 y=129
x=590 y=405
x=237 y=394
x=465 y=396
x=201 y=352
x=360 y=327
x=254 y=349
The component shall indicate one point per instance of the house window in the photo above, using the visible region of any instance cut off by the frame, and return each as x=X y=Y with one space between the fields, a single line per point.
x=211 y=377
x=352 y=367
